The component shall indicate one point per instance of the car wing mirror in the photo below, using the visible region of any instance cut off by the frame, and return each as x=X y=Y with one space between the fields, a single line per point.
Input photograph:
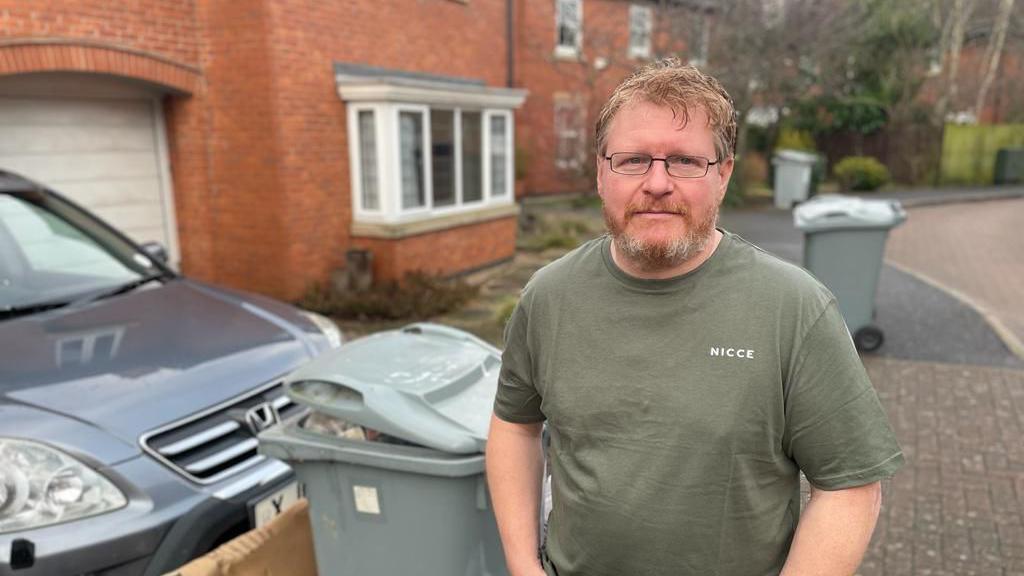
x=156 y=251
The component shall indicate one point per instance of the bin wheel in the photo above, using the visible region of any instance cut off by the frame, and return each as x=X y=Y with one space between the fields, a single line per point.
x=868 y=339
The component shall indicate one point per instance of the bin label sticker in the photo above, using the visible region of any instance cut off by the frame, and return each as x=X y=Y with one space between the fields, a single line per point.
x=366 y=499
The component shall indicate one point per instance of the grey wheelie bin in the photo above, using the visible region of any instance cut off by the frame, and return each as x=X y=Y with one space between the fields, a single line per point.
x=405 y=494
x=844 y=242
x=793 y=171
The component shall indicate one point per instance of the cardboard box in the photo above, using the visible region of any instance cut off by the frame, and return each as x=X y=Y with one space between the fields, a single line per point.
x=284 y=547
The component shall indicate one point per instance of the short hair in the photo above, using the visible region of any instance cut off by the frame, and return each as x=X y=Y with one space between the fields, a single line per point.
x=681 y=87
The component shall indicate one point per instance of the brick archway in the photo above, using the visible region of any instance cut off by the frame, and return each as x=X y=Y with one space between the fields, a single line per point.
x=20 y=56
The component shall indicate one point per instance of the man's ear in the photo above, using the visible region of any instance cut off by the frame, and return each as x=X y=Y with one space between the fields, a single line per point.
x=597 y=172
x=725 y=173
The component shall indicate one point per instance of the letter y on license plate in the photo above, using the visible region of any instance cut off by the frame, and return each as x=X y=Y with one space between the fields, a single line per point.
x=269 y=507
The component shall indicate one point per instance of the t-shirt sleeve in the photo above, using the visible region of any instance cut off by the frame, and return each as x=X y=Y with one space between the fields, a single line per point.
x=517 y=399
x=836 y=429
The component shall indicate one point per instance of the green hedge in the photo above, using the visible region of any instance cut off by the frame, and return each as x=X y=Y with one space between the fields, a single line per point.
x=861 y=173
x=969 y=152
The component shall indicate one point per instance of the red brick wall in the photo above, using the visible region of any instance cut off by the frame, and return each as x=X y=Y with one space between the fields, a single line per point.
x=305 y=38
x=163 y=27
x=445 y=252
x=256 y=130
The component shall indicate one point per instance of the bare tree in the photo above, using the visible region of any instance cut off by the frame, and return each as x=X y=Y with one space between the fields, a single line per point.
x=949 y=49
x=993 y=53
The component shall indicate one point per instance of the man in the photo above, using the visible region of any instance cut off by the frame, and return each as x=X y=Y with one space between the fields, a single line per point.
x=686 y=377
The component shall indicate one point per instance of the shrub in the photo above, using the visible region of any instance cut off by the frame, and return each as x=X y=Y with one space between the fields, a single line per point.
x=862 y=173
x=418 y=296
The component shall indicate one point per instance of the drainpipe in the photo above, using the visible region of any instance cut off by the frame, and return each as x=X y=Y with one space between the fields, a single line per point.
x=510 y=30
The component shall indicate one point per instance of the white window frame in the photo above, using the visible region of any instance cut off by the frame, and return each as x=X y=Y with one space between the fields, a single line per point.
x=637 y=12
x=355 y=156
x=699 y=49
x=389 y=162
x=562 y=50
x=578 y=133
x=509 y=155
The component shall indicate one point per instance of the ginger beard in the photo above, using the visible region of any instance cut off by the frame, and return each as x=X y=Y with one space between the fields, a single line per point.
x=651 y=250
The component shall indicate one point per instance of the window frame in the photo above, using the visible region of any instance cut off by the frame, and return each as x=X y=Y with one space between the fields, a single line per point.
x=509 y=193
x=355 y=157
x=644 y=51
x=387 y=126
x=579 y=133
x=562 y=50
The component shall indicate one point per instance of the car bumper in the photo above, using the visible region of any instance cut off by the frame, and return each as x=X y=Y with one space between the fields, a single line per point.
x=167 y=522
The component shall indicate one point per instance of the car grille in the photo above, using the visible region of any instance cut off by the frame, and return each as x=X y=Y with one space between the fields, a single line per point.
x=220 y=442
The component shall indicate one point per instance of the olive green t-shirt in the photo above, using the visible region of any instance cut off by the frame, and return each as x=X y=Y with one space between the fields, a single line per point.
x=682 y=410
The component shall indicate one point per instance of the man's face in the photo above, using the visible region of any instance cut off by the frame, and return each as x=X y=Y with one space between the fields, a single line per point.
x=659 y=221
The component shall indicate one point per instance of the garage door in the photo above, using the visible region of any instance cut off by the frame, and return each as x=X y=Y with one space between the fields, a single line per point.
x=99 y=141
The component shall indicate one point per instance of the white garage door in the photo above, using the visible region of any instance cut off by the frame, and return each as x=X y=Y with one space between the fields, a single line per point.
x=98 y=141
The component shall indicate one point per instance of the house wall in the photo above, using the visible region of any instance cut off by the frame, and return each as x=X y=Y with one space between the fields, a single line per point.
x=588 y=80
x=443 y=253
x=255 y=127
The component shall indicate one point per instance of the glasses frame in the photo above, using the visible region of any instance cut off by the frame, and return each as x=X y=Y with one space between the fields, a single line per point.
x=665 y=160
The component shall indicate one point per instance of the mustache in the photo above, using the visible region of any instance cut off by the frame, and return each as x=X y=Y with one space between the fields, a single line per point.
x=656 y=207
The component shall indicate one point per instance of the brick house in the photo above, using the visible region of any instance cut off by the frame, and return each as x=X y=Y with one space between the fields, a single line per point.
x=571 y=54
x=262 y=140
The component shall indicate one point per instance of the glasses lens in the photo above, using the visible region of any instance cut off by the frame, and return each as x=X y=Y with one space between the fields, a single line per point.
x=629 y=163
x=687 y=166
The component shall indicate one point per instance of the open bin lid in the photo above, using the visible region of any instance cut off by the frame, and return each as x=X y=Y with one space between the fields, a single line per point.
x=838 y=212
x=426 y=383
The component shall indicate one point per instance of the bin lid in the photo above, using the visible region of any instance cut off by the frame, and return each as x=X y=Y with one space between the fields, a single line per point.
x=787 y=155
x=835 y=211
x=425 y=383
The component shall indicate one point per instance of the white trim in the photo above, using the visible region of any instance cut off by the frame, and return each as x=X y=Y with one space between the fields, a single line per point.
x=563 y=51
x=634 y=50
x=166 y=185
x=395 y=90
x=388 y=128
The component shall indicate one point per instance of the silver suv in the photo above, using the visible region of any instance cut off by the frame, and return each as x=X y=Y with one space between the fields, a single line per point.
x=130 y=397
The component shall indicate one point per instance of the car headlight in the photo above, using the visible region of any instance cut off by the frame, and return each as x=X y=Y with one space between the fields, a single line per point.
x=40 y=485
x=327 y=326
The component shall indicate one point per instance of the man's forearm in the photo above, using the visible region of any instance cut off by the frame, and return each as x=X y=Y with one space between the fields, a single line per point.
x=514 y=468
x=834 y=531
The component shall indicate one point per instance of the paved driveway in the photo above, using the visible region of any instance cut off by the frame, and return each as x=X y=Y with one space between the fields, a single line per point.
x=974 y=250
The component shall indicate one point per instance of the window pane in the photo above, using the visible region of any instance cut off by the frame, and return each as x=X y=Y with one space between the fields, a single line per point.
x=499 y=154
x=442 y=137
x=472 y=158
x=411 y=137
x=568 y=23
x=368 y=160
x=639 y=30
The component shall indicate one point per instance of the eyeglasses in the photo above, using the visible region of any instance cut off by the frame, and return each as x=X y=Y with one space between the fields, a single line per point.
x=681 y=166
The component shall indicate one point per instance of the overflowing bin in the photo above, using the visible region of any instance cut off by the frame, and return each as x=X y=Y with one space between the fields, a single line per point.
x=397 y=486
x=844 y=243
x=793 y=172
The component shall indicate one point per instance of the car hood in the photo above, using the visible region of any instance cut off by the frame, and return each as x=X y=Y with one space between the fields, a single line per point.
x=136 y=361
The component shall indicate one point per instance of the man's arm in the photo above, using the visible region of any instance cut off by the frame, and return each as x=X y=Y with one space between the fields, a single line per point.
x=834 y=531
x=515 y=464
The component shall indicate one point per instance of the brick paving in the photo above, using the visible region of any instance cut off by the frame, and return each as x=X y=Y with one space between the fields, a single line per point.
x=957 y=507
x=974 y=248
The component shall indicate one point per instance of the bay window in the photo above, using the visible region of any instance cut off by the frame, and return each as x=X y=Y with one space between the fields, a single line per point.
x=426 y=149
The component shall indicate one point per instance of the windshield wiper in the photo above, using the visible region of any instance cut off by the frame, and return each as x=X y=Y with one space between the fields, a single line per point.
x=34 y=308
x=120 y=289
x=28 y=309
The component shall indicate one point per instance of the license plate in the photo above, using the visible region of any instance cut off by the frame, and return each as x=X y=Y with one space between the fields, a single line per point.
x=271 y=506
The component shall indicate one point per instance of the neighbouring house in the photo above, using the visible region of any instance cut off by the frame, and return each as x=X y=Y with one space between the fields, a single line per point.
x=263 y=141
x=571 y=54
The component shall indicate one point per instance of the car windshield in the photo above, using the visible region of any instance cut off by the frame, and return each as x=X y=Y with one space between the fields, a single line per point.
x=52 y=253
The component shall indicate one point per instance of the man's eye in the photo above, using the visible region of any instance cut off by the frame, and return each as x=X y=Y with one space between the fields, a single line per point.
x=637 y=160
x=685 y=161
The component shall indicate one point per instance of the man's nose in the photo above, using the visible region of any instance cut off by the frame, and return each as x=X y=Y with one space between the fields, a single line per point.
x=657 y=182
